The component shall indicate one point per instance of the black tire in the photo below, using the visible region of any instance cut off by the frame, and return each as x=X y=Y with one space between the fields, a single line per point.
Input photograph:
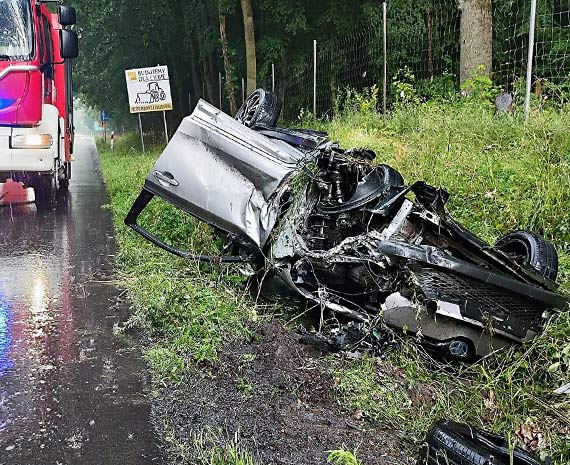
x=532 y=252
x=45 y=190
x=64 y=176
x=261 y=108
x=454 y=443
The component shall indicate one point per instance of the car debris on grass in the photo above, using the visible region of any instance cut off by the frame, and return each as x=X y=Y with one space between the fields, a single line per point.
x=351 y=237
x=452 y=443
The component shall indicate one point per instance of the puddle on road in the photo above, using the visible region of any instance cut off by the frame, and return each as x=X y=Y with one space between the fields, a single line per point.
x=36 y=322
x=70 y=392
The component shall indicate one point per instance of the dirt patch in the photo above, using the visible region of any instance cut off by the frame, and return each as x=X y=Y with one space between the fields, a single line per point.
x=274 y=395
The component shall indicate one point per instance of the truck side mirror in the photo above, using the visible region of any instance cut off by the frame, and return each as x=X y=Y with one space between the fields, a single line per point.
x=69 y=44
x=66 y=15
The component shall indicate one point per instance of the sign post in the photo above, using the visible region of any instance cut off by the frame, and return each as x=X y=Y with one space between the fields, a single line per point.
x=149 y=90
x=104 y=117
x=165 y=126
x=140 y=128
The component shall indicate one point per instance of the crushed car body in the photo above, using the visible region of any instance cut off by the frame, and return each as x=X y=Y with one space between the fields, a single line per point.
x=348 y=234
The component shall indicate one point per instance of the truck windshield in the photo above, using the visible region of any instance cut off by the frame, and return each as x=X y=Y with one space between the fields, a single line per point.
x=16 y=37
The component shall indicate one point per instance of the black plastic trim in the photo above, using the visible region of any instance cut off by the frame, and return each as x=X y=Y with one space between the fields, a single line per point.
x=131 y=221
x=435 y=257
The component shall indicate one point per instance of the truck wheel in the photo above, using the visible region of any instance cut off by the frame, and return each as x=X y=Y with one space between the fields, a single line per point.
x=64 y=175
x=531 y=251
x=45 y=189
x=261 y=108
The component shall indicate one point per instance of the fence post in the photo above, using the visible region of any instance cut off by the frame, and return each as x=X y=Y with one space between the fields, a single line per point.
x=314 y=78
x=220 y=87
x=273 y=77
x=530 y=58
x=242 y=90
x=385 y=46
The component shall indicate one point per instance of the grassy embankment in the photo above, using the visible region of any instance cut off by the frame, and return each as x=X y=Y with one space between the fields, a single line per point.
x=502 y=175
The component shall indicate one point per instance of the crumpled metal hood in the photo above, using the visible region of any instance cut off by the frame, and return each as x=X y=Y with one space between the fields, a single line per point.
x=225 y=173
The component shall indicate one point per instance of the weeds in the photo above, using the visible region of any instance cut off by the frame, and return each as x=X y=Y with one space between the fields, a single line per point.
x=342 y=457
x=210 y=447
x=187 y=309
x=244 y=386
x=505 y=392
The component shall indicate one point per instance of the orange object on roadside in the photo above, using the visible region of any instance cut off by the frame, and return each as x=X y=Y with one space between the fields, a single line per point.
x=13 y=193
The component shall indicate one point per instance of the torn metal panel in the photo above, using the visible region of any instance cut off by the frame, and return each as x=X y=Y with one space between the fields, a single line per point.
x=224 y=173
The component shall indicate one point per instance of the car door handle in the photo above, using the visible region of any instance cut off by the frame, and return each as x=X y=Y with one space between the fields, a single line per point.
x=166 y=177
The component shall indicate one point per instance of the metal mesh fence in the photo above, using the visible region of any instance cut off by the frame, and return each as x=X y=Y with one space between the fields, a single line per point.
x=424 y=39
x=423 y=49
x=551 y=61
x=349 y=62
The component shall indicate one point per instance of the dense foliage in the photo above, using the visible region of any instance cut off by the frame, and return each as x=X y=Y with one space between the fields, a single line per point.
x=122 y=34
x=423 y=40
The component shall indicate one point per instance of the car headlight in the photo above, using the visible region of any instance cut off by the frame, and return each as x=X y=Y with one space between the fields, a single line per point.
x=31 y=141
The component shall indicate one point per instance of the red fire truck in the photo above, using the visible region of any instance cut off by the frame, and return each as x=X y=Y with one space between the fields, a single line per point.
x=36 y=102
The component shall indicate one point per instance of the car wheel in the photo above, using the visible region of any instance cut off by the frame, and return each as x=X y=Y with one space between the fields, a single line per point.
x=261 y=108
x=531 y=251
x=63 y=176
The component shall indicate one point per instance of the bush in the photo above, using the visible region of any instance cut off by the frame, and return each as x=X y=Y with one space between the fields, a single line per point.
x=479 y=86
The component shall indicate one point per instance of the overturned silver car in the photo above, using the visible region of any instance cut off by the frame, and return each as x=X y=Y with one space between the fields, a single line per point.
x=350 y=235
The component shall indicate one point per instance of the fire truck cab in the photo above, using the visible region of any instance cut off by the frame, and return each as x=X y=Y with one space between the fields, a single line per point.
x=36 y=101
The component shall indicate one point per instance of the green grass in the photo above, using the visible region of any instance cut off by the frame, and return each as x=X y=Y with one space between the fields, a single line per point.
x=502 y=175
x=186 y=309
x=209 y=447
x=409 y=391
x=342 y=457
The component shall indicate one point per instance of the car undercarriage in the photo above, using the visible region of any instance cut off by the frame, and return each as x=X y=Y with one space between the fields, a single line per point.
x=346 y=233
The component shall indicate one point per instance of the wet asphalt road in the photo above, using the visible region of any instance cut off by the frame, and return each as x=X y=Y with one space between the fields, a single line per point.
x=71 y=392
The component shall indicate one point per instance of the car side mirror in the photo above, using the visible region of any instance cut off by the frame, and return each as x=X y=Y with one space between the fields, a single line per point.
x=69 y=44
x=66 y=15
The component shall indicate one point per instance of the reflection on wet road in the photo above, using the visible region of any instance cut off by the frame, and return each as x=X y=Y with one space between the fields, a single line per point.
x=70 y=391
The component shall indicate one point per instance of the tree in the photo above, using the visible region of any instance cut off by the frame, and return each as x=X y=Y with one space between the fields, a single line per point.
x=227 y=65
x=251 y=60
x=476 y=32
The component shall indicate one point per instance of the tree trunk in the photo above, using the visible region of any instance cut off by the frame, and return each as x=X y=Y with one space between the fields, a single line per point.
x=196 y=90
x=249 y=45
x=476 y=37
x=207 y=71
x=189 y=27
x=207 y=90
x=227 y=65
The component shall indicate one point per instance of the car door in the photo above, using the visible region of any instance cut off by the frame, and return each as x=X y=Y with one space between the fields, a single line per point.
x=222 y=173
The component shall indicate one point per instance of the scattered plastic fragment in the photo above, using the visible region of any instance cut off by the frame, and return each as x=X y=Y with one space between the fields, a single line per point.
x=451 y=443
